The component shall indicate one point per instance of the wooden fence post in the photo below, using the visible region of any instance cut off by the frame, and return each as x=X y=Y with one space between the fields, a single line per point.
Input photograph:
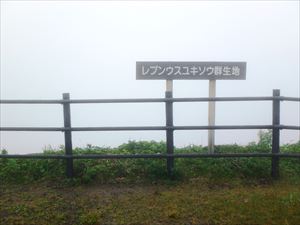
x=68 y=135
x=169 y=133
x=276 y=134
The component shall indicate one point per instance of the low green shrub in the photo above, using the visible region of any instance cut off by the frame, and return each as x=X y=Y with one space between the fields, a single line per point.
x=135 y=170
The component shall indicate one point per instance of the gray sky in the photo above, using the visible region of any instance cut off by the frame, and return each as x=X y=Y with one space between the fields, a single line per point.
x=89 y=49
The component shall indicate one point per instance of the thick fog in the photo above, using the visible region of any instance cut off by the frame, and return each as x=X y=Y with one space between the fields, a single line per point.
x=90 y=49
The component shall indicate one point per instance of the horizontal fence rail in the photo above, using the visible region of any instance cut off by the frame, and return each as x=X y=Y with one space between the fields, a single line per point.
x=153 y=156
x=149 y=100
x=224 y=127
x=169 y=128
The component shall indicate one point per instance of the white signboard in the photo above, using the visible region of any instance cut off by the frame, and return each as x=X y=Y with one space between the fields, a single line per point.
x=190 y=70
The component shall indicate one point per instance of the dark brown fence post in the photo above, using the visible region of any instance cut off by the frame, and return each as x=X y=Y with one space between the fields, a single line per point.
x=169 y=133
x=68 y=135
x=276 y=134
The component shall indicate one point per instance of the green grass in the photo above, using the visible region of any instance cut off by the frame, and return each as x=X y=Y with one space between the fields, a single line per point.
x=198 y=201
x=139 y=192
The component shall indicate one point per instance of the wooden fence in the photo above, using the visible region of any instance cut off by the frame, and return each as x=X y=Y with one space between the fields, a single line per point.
x=169 y=128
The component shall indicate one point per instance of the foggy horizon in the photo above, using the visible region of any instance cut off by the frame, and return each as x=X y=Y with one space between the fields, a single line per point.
x=90 y=50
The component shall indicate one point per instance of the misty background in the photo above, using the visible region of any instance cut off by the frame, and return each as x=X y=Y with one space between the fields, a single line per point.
x=89 y=50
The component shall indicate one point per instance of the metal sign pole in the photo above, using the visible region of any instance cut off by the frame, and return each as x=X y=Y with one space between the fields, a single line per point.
x=169 y=123
x=211 y=115
x=169 y=85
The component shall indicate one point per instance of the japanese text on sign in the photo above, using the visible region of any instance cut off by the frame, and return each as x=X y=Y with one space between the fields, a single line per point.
x=191 y=70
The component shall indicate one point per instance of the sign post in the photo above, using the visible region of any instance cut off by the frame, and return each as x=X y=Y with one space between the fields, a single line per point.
x=211 y=115
x=211 y=71
x=169 y=85
x=169 y=123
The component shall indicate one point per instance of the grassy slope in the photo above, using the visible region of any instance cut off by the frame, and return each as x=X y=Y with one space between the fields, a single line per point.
x=199 y=201
x=205 y=191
